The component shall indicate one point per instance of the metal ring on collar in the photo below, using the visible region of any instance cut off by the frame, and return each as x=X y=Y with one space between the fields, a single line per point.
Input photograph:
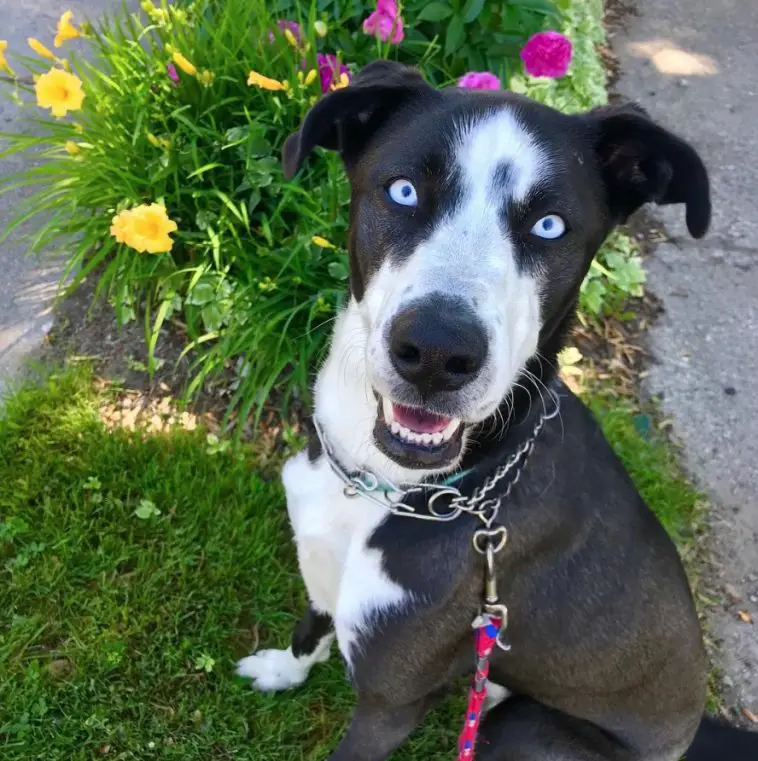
x=454 y=510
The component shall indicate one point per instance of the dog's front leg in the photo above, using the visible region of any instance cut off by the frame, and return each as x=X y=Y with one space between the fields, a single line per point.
x=273 y=670
x=377 y=728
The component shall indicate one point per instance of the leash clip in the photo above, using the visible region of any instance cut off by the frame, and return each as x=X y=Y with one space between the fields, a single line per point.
x=496 y=539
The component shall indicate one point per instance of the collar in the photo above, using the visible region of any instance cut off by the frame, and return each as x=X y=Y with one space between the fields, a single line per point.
x=364 y=480
x=445 y=502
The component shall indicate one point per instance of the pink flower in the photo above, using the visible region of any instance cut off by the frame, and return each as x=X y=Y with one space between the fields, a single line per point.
x=385 y=22
x=330 y=70
x=293 y=26
x=479 y=80
x=173 y=74
x=547 y=54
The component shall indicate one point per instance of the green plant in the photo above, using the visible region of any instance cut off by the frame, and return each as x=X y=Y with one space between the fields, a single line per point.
x=243 y=270
x=450 y=37
x=257 y=268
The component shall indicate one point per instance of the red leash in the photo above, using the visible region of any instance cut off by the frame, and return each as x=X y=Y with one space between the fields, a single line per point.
x=487 y=631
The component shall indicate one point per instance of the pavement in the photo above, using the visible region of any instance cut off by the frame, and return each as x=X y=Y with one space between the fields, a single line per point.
x=27 y=285
x=693 y=65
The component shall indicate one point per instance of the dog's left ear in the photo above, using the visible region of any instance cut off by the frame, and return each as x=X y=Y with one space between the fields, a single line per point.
x=345 y=120
x=642 y=162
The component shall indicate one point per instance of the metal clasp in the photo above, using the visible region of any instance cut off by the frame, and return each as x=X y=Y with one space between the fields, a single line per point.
x=495 y=541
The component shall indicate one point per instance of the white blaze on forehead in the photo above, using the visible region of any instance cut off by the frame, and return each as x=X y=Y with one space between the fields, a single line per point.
x=499 y=140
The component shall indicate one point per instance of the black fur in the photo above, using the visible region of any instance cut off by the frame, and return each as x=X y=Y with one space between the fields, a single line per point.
x=607 y=660
x=309 y=632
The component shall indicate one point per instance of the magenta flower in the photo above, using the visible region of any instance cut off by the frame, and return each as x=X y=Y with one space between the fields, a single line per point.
x=385 y=22
x=330 y=70
x=547 y=54
x=173 y=74
x=293 y=26
x=479 y=80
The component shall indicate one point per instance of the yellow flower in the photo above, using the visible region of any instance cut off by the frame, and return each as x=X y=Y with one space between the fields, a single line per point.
x=207 y=78
x=59 y=91
x=265 y=83
x=344 y=81
x=153 y=140
x=186 y=66
x=72 y=148
x=320 y=28
x=322 y=242
x=121 y=226
x=144 y=228
x=290 y=37
x=4 y=65
x=65 y=30
x=40 y=49
x=310 y=77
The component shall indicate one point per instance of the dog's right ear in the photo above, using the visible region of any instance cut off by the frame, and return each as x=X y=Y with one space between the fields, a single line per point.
x=344 y=120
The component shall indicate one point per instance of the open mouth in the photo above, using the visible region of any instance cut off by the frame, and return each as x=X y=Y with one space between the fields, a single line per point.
x=417 y=438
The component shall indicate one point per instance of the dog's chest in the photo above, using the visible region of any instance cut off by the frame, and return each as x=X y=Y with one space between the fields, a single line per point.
x=344 y=577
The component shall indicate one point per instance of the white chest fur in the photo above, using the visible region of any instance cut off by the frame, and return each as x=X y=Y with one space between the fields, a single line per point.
x=344 y=577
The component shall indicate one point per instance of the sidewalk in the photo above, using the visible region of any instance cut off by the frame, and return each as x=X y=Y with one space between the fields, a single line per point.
x=693 y=64
x=27 y=286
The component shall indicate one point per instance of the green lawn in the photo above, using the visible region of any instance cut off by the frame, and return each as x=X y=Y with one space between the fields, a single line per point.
x=120 y=625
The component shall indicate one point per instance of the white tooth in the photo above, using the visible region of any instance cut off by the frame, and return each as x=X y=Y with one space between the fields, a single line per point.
x=437 y=438
x=404 y=433
x=387 y=409
x=395 y=426
x=426 y=438
x=450 y=428
x=414 y=438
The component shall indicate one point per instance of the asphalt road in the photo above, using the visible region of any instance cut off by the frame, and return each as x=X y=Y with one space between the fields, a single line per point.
x=693 y=64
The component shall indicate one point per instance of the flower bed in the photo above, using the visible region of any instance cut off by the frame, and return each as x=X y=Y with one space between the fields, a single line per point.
x=159 y=170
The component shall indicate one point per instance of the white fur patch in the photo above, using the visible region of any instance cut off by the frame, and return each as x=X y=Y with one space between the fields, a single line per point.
x=274 y=670
x=470 y=255
x=344 y=578
x=496 y=694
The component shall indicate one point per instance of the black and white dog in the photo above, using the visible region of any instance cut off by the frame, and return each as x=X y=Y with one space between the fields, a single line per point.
x=474 y=219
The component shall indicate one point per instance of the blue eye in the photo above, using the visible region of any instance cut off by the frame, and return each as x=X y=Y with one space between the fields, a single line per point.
x=402 y=192
x=550 y=227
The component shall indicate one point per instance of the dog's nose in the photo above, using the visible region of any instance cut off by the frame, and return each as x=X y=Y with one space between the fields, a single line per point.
x=437 y=344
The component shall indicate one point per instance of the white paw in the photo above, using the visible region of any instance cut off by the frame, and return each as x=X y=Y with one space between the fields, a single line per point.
x=273 y=670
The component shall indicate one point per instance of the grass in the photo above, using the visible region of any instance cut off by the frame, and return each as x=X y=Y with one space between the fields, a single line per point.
x=650 y=459
x=135 y=569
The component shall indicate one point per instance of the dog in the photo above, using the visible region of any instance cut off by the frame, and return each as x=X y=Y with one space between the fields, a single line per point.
x=474 y=218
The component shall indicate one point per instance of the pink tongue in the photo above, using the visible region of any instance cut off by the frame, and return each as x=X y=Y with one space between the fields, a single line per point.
x=418 y=420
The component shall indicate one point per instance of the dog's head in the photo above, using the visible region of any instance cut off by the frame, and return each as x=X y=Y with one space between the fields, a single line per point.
x=474 y=219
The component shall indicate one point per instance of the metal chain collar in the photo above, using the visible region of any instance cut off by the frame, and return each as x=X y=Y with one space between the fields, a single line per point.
x=391 y=497
x=488 y=540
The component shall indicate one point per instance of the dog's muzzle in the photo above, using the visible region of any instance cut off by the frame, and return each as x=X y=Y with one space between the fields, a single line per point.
x=437 y=346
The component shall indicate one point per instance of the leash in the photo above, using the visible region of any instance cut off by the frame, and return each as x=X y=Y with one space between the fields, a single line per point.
x=488 y=540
